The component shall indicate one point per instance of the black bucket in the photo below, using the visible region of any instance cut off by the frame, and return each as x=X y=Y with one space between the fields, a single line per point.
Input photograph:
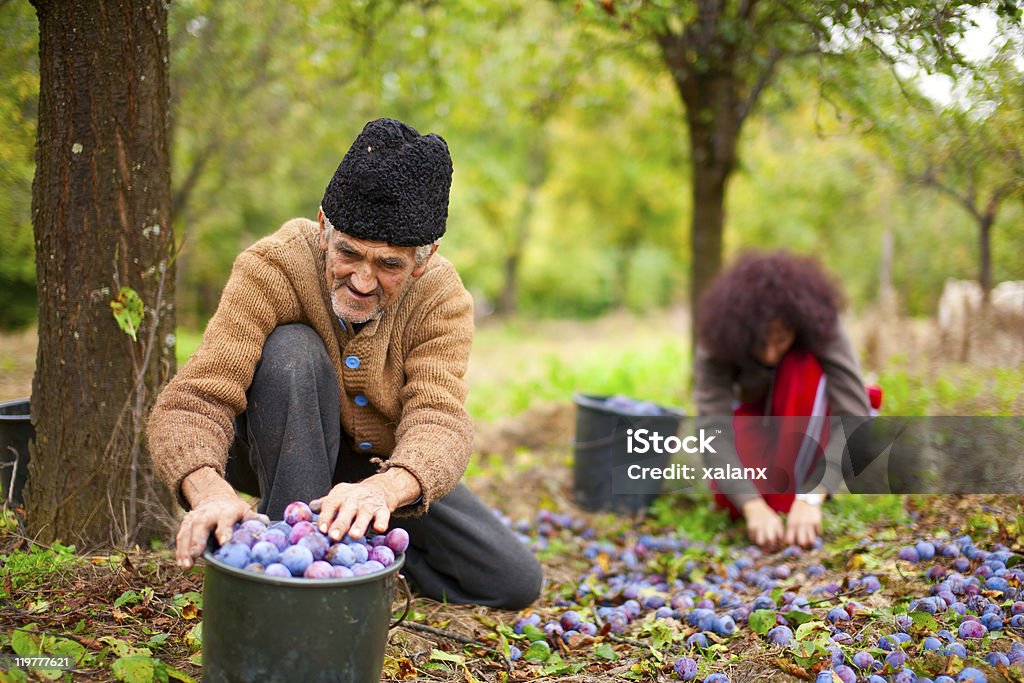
x=15 y=432
x=266 y=629
x=600 y=450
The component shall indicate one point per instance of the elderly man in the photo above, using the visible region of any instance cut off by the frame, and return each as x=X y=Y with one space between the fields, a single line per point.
x=332 y=372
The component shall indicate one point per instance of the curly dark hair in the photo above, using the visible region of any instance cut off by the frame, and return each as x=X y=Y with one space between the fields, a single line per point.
x=736 y=310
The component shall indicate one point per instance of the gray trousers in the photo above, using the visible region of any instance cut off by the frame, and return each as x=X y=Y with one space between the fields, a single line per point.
x=288 y=446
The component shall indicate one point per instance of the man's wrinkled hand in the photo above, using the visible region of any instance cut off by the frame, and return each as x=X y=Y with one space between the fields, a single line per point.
x=764 y=525
x=352 y=508
x=217 y=514
x=803 y=524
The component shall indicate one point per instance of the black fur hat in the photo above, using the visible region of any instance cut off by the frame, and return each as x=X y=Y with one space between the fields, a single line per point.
x=391 y=186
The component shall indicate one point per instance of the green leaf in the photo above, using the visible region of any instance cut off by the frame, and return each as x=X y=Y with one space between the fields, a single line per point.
x=806 y=629
x=605 y=651
x=194 y=637
x=924 y=620
x=798 y=618
x=122 y=648
x=442 y=656
x=538 y=652
x=533 y=634
x=135 y=669
x=128 y=311
x=762 y=621
x=178 y=675
x=129 y=597
x=23 y=643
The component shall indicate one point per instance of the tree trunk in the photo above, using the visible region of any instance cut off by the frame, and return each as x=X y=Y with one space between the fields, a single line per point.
x=714 y=124
x=101 y=208
x=508 y=302
x=985 y=255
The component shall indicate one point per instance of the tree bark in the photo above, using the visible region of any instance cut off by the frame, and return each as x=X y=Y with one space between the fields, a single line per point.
x=101 y=209
x=985 y=254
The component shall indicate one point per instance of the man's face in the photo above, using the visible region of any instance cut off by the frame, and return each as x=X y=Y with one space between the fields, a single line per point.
x=364 y=277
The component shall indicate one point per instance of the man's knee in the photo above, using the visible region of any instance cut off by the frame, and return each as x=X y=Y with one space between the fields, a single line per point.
x=521 y=585
x=292 y=352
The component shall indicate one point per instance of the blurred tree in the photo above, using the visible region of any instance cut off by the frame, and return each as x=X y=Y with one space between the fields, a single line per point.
x=19 y=97
x=970 y=149
x=101 y=210
x=723 y=54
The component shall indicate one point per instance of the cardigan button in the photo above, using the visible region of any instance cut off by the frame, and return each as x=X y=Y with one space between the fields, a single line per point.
x=361 y=400
x=352 y=362
x=366 y=445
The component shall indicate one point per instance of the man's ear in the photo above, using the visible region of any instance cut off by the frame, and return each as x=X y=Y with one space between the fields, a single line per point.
x=418 y=270
x=323 y=229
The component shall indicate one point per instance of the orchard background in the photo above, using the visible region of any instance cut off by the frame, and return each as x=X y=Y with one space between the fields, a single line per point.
x=609 y=156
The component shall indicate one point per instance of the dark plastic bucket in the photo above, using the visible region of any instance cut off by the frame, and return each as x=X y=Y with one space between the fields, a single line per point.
x=265 y=629
x=15 y=432
x=600 y=448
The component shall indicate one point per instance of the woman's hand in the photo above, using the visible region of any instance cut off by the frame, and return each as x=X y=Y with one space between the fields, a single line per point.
x=803 y=524
x=764 y=526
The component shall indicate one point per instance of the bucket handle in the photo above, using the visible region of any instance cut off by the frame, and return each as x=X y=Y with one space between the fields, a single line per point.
x=408 y=602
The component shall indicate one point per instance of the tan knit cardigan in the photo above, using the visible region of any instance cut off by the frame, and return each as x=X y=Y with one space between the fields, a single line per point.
x=411 y=366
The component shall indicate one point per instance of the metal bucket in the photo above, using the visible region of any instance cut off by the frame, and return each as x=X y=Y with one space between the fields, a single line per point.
x=600 y=448
x=266 y=629
x=15 y=432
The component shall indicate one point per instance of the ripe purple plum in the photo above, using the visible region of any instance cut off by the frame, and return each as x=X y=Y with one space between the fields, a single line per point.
x=317 y=544
x=698 y=641
x=360 y=551
x=570 y=620
x=377 y=540
x=277 y=569
x=233 y=554
x=781 y=635
x=685 y=668
x=837 y=614
x=925 y=550
x=254 y=525
x=864 y=660
x=716 y=678
x=398 y=540
x=297 y=512
x=370 y=567
x=724 y=626
x=255 y=568
x=341 y=572
x=296 y=558
x=971 y=675
x=383 y=554
x=909 y=554
x=265 y=553
x=972 y=629
x=319 y=570
x=244 y=536
x=896 y=659
x=277 y=537
x=301 y=530
x=845 y=673
x=340 y=555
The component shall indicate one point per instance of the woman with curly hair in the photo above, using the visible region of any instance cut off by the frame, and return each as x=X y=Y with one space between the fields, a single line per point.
x=771 y=345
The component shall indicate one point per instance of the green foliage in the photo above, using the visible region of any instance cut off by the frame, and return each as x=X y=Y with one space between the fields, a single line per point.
x=28 y=568
x=19 y=97
x=571 y=153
